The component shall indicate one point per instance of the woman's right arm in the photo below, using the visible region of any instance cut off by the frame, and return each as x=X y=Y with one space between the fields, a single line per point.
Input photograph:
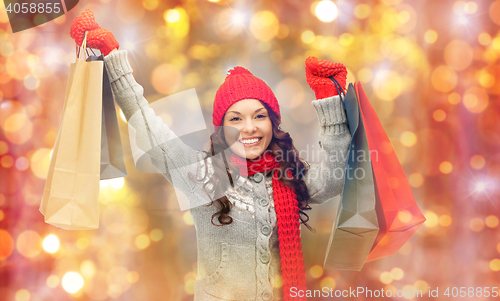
x=174 y=159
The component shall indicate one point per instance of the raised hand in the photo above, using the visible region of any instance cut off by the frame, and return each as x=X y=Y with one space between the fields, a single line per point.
x=84 y=22
x=97 y=37
x=318 y=73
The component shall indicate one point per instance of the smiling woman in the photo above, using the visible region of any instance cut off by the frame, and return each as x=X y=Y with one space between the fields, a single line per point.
x=247 y=199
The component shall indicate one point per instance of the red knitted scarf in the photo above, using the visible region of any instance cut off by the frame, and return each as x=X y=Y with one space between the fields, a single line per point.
x=287 y=214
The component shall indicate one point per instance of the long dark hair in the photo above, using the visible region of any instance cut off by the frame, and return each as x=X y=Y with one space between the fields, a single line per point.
x=281 y=143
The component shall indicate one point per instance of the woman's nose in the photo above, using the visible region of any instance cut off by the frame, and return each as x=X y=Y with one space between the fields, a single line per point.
x=249 y=127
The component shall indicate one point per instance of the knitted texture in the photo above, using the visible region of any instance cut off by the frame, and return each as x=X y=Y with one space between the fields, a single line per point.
x=241 y=84
x=318 y=73
x=287 y=215
x=103 y=40
x=84 y=22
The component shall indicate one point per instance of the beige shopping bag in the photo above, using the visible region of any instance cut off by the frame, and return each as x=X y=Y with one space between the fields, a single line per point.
x=71 y=195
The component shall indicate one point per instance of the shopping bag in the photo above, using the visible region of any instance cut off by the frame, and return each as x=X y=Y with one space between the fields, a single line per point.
x=112 y=160
x=71 y=195
x=356 y=225
x=398 y=215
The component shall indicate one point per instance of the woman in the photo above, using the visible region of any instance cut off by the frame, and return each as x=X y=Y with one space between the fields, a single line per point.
x=247 y=194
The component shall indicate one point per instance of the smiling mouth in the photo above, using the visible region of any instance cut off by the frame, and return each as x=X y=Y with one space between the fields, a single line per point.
x=250 y=142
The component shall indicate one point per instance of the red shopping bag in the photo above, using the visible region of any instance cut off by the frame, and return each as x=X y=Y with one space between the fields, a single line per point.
x=398 y=215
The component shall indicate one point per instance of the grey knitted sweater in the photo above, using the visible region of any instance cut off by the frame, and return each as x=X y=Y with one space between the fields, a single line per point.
x=239 y=261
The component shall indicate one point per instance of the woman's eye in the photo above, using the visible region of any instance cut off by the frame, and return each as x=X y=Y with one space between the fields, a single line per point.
x=234 y=119
x=261 y=116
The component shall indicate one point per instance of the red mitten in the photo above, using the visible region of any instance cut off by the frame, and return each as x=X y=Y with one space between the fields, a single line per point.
x=84 y=22
x=103 y=40
x=318 y=73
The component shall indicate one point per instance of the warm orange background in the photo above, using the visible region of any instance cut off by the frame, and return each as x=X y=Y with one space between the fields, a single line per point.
x=430 y=69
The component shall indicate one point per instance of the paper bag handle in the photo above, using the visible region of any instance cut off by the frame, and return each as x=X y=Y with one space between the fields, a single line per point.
x=83 y=46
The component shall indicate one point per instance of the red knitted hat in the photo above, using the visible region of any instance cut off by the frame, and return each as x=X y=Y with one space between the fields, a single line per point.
x=241 y=84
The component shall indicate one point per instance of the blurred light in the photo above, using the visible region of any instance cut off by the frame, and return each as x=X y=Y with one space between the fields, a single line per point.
x=386 y=277
x=82 y=243
x=52 y=281
x=397 y=273
x=29 y=244
x=475 y=100
x=405 y=216
x=326 y=11
x=187 y=218
x=128 y=45
x=408 y=138
x=31 y=83
x=498 y=247
x=214 y=1
x=264 y=25
x=277 y=281
x=495 y=12
x=6 y=161
x=283 y=31
x=421 y=285
x=430 y=36
x=463 y=20
x=491 y=221
x=346 y=39
x=416 y=180
x=328 y=282
x=484 y=39
x=458 y=55
x=477 y=162
x=476 y=224
x=365 y=75
x=445 y=167
x=387 y=84
x=2 y=215
x=4 y=147
x=166 y=78
x=72 y=282
x=150 y=4
x=470 y=7
x=408 y=288
x=40 y=161
x=23 y=295
x=432 y=219
x=445 y=220
x=486 y=80
x=132 y=277
x=156 y=234
x=454 y=98
x=362 y=11
x=391 y=288
x=6 y=244
x=238 y=18
x=87 y=268
x=122 y=116
x=316 y=271
x=403 y=17
x=307 y=37
x=2 y=199
x=142 y=241
x=439 y=115
x=22 y=163
x=51 y=243
x=172 y=16
x=495 y=265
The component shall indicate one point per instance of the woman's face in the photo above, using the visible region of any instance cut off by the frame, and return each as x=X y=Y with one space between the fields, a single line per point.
x=251 y=119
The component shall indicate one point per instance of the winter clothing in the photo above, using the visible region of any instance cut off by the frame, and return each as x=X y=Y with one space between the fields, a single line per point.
x=239 y=261
x=84 y=22
x=97 y=37
x=241 y=84
x=318 y=73
x=287 y=215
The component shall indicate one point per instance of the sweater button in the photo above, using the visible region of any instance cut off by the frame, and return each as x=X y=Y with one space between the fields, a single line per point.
x=266 y=230
x=258 y=177
x=263 y=202
x=266 y=295
x=264 y=258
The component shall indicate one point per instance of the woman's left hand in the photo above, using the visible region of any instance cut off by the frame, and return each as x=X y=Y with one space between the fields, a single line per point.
x=318 y=73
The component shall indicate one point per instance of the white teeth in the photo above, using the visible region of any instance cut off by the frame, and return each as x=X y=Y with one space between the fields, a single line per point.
x=249 y=141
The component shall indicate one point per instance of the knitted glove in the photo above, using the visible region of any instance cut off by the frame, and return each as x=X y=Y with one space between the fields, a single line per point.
x=103 y=40
x=318 y=73
x=84 y=22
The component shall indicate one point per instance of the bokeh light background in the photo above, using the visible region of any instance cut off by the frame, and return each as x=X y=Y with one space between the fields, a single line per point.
x=430 y=68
